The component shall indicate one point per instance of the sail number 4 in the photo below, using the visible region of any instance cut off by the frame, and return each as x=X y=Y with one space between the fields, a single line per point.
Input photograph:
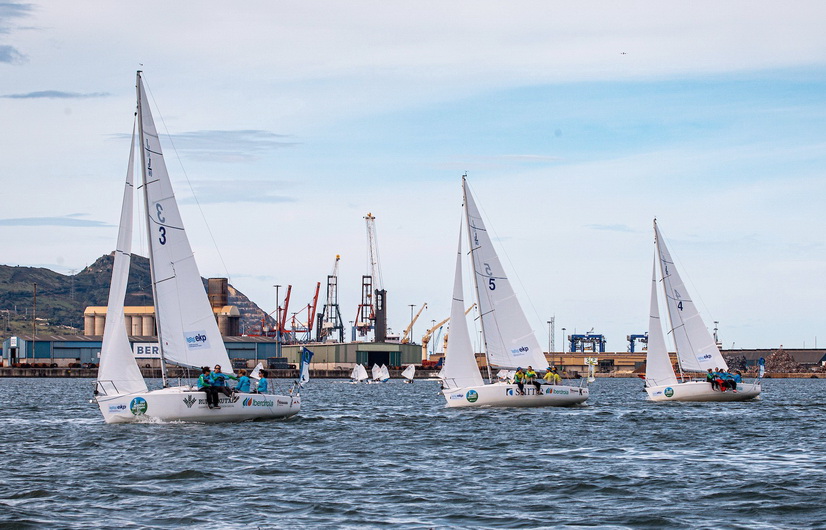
x=161 y=219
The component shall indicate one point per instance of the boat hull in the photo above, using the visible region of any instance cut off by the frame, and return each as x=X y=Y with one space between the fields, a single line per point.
x=702 y=391
x=185 y=404
x=507 y=395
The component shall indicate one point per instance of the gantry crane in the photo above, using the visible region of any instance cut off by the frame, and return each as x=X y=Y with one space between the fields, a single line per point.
x=372 y=312
x=329 y=320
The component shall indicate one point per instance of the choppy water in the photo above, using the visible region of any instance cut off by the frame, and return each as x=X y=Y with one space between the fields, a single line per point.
x=393 y=455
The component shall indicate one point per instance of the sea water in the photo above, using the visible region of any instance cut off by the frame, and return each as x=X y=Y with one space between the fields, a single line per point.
x=387 y=455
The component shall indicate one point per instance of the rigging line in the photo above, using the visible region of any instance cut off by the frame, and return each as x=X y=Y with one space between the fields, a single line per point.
x=186 y=177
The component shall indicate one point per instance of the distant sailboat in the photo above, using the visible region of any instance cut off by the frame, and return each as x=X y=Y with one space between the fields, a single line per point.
x=696 y=349
x=509 y=340
x=187 y=331
x=409 y=373
x=358 y=374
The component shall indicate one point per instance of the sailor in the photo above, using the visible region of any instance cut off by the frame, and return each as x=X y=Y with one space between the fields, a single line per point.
x=530 y=375
x=219 y=382
x=711 y=379
x=519 y=379
x=552 y=376
x=262 y=382
x=205 y=385
x=243 y=382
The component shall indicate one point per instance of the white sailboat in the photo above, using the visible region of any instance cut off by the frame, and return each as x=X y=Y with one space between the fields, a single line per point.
x=696 y=349
x=408 y=373
x=187 y=331
x=509 y=339
x=358 y=374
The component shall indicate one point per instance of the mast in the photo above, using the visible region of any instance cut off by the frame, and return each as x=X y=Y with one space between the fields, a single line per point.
x=475 y=279
x=667 y=306
x=138 y=87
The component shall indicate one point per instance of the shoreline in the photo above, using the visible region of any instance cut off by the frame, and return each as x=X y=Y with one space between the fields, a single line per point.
x=176 y=372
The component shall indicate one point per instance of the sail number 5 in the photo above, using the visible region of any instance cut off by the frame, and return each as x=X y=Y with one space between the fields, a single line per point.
x=161 y=219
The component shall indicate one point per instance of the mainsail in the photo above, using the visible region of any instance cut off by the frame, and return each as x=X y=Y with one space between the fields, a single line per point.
x=695 y=346
x=187 y=331
x=509 y=339
x=118 y=371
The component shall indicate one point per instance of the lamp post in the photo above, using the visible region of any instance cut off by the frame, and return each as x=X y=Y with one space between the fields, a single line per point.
x=411 y=323
x=550 y=337
x=564 y=339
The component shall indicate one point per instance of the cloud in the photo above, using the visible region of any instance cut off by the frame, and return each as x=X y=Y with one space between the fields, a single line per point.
x=8 y=54
x=71 y=220
x=237 y=191
x=55 y=94
x=229 y=146
x=8 y=12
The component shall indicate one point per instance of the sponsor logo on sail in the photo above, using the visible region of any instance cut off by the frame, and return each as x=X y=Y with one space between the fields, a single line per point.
x=138 y=406
x=522 y=350
x=704 y=358
x=472 y=396
x=669 y=392
x=196 y=339
x=189 y=401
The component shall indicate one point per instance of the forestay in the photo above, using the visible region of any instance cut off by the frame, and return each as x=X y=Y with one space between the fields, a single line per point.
x=509 y=339
x=118 y=372
x=187 y=330
x=695 y=346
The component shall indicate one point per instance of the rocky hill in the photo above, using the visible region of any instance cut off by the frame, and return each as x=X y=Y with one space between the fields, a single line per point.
x=61 y=299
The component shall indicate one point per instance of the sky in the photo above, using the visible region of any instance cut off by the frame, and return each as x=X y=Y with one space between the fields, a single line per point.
x=284 y=123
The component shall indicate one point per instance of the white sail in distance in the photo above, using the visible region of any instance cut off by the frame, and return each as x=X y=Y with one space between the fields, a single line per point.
x=509 y=339
x=695 y=346
x=187 y=331
x=118 y=371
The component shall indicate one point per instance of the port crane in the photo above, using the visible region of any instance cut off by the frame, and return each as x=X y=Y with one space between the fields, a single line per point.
x=372 y=312
x=329 y=320
x=406 y=335
x=429 y=333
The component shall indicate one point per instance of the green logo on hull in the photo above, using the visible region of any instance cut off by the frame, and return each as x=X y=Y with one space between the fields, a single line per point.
x=472 y=396
x=138 y=406
x=669 y=392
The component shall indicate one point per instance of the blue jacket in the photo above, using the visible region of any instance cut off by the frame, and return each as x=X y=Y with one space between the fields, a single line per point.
x=737 y=378
x=262 y=385
x=204 y=380
x=220 y=378
x=243 y=384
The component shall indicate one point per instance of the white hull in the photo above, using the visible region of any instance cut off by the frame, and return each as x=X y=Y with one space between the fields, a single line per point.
x=702 y=391
x=189 y=405
x=507 y=395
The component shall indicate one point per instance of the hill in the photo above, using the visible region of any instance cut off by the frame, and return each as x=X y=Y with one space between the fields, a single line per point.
x=61 y=299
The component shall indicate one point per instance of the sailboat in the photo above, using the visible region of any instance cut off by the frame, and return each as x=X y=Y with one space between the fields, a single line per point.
x=359 y=374
x=696 y=349
x=187 y=331
x=509 y=340
x=408 y=373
